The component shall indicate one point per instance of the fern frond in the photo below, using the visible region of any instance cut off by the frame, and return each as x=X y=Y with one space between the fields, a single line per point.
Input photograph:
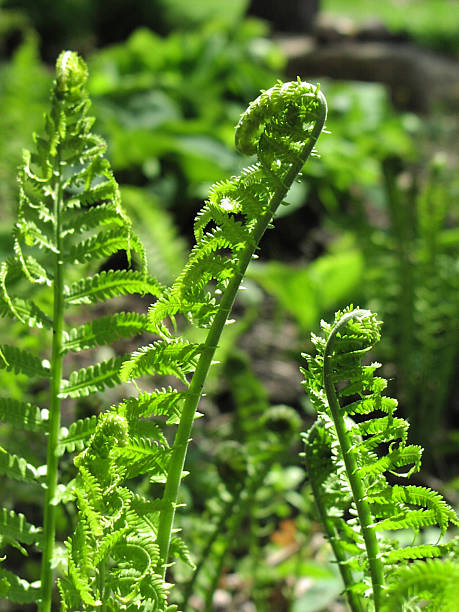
x=283 y=142
x=96 y=194
x=401 y=456
x=107 y=544
x=17 y=467
x=432 y=581
x=165 y=401
x=105 y=243
x=109 y=284
x=28 y=232
x=81 y=546
x=88 y=497
x=143 y=428
x=17 y=589
x=25 y=311
x=368 y=451
x=82 y=585
x=69 y=212
x=437 y=512
x=180 y=549
x=15 y=528
x=142 y=456
x=93 y=379
x=421 y=551
x=75 y=437
x=103 y=214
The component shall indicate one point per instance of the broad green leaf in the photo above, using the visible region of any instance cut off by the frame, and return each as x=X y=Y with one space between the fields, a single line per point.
x=306 y=292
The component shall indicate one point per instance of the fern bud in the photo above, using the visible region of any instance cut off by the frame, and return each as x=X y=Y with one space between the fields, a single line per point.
x=71 y=73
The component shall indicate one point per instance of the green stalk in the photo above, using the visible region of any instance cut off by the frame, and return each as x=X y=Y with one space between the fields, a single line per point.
x=346 y=574
x=49 y=523
x=182 y=437
x=350 y=462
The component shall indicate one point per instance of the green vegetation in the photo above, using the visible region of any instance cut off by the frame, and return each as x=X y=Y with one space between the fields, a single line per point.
x=119 y=490
x=347 y=467
x=429 y=22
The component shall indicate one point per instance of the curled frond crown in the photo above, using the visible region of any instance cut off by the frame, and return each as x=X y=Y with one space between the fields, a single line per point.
x=377 y=441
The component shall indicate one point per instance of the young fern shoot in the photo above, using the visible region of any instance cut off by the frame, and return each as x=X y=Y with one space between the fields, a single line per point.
x=69 y=214
x=125 y=561
x=348 y=463
x=281 y=126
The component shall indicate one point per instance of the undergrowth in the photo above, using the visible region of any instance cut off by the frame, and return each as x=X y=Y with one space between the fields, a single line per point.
x=120 y=550
x=124 y=539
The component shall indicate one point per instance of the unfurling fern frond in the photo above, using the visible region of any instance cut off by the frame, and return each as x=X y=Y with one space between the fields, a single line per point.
x=113 y=553
x=349 y=462
x=131 y=565
x=69 y=214
x=281 y=127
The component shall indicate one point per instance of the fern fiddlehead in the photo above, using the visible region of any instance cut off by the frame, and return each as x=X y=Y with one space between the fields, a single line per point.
x=281 y=126
x=69 y=214
x=348 y=461
x=228 y=230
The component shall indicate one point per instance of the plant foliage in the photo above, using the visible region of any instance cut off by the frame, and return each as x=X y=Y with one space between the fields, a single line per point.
x=357 y=455
x=69 y=214
x=281 y=127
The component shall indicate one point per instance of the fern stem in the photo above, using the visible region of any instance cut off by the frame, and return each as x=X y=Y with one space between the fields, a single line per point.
x=352 y=469
x=333 y=537
x=49 y=523
x=182 y=437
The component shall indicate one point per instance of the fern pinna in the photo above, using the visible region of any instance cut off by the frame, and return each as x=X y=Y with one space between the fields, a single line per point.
x=69 y=214
x=356 y=442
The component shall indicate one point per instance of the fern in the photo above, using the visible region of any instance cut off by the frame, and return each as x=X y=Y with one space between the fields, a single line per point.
x=412 y=281
x=288 y=119
x=69 y=213
x=113 y=554
x=349 y=462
